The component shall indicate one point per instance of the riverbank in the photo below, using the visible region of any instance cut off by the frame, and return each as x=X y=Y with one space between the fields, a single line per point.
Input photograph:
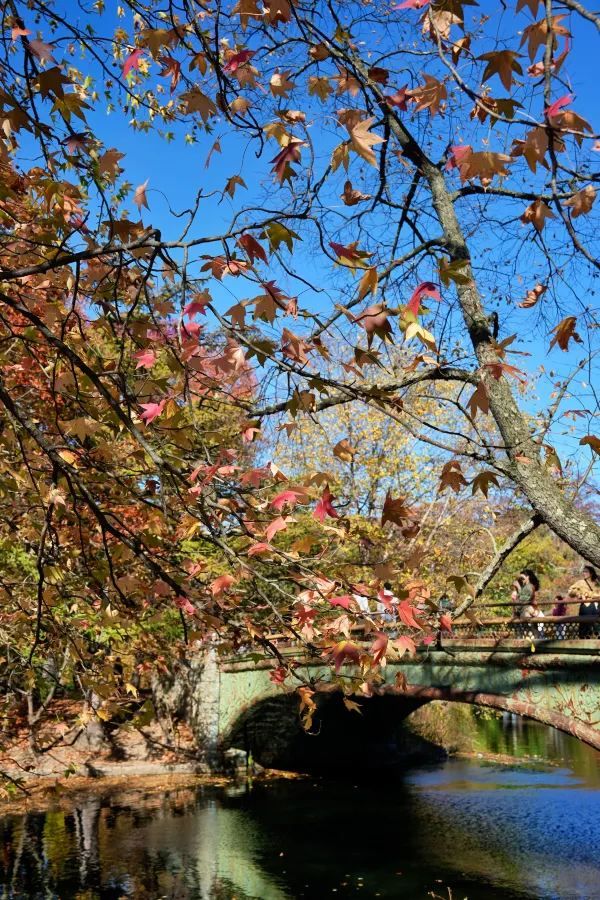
x=130 y=785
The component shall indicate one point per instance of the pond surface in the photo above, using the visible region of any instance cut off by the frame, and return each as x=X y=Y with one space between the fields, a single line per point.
x=482 y=830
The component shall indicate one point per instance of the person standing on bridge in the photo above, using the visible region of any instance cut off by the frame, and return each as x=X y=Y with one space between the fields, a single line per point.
x=587 y=590
x=526 y=586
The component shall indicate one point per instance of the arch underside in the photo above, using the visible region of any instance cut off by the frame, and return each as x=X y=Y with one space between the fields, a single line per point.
x=275 y=719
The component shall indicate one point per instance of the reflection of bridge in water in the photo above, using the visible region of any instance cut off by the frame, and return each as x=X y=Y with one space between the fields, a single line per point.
x=539 y=668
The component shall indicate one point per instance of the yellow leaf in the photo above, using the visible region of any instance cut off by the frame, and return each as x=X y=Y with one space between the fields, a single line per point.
x=368 y=283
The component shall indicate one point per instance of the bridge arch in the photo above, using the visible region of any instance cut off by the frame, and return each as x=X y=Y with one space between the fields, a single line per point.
x=555 y=683
x=270 y=728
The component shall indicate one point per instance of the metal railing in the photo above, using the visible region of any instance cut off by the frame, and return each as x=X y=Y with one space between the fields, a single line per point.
x=548 y=628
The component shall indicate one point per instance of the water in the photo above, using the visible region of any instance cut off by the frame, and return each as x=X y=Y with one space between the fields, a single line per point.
x=482 y=830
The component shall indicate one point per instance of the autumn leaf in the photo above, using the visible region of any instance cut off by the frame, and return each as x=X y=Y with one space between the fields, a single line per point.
x=362 y=140
x=590 y=440
x=344 y=601
x=502 y=63
x=479 y=400
x=368 y=283
x=404 y=644
x=555 y=108
x=145 y=359
x=280 y=84
x=351 y=196
x=532 y=296
x=446 y=622
x=396 y=511
x=185 y=605
x=537 y=213
x=282 y=162
x=429 y=96
x=197 y=305
x=108 y=164
x=231 y=184
x=350 y=256
x=454 y=271
x=152 y=411
x=344 y=451
x=259 y=549
x=325 y=506
x=289 y=497
x=533 y=148
x=343 y=651
x=425 y=289
x=378 y=648
x=399 y=99
x=482 y=482
x=564 y=332
x=221 y=584
x=319 y=86
x=17 y=31
x=406 y=614
x=236 y=60
x=411 y=4
x=248 y=11
x=452 y=477
x=535 y=35
x=133 y=61
x=41 y=50
x=196 y=101
x=582 y=202
x=171 y=69
x=139 y=197
x=375 y=321
x=279 y=524
x=460 y=584
x=352 y=706
x=252 y=247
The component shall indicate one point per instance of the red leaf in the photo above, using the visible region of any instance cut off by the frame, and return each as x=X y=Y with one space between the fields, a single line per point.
x=18 y=32
x=252 y=247
x=324 y=506
x=133 y=61
x=425 y=289
x=287 y=498
x=555 y=108
x=344 y=601
x=343 y=651
x=220 y=584
x=406 y=614
x=146 y=359
x=185 y=605
x=258 y=549
x=152 y=411
x=399 y=98
x=379 y=647
x=198 y=305
x=237 y=60
x=276 y=525
x=446 y=622
x=411 y=4
x=278 y=675
x=289 y=154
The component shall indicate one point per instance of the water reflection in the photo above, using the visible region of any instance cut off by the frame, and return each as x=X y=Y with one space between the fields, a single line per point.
x=484 y=830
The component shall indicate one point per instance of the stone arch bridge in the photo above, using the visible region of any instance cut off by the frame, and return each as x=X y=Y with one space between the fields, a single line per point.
x=556 y=682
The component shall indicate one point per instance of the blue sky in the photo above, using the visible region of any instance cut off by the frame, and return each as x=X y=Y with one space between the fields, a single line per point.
x=175 y=170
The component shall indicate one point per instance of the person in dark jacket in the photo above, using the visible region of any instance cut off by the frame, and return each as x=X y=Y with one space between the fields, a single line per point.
x=587 y=590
